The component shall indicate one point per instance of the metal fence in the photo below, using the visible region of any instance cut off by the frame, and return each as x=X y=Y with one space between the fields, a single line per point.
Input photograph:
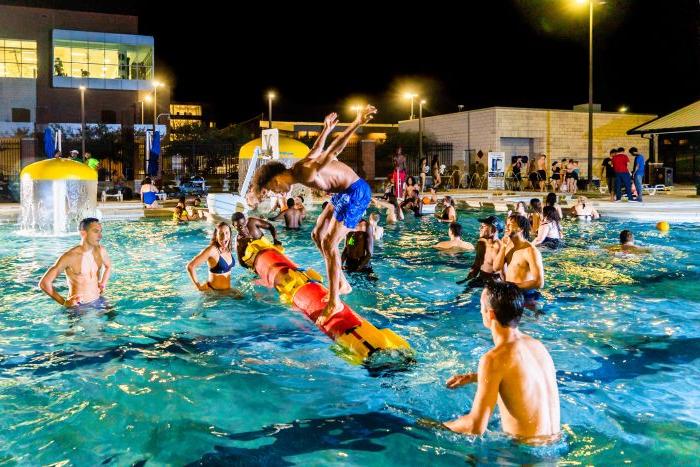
x=10 y=161
x=384 y=157
x=186 y=159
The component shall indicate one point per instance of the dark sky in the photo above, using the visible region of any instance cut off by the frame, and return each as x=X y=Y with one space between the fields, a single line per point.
x=529 y=53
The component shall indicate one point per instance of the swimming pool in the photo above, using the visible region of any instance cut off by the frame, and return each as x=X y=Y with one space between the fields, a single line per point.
x=175 y=376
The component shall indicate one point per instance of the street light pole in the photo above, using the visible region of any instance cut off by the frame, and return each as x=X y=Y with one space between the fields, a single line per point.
x=420 y=128
x=590 y=93
x=82 y=118
x=270 y=96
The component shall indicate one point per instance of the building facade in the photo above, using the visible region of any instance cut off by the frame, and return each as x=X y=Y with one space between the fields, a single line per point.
x=46 y=55
x=526 y=132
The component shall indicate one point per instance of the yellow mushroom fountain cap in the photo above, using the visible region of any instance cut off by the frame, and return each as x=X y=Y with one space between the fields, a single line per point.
x=289 y=148
x=58 y=169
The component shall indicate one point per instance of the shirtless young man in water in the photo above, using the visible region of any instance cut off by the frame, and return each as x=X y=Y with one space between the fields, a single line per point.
x=292 y=216
x=517 y=373
x=487 y=248
x=248 y=230
x=87 y=268
x=520 y=260
x=321 y=170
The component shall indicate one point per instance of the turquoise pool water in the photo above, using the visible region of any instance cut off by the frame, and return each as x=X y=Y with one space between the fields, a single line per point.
x=175 y=376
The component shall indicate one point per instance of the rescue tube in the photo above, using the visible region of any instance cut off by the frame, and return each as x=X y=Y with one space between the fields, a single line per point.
x=303 y=289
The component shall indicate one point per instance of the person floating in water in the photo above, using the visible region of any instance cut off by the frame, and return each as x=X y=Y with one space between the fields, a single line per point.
x=220 y=259
x=322 y=170
x=248 y=230
x=455 y=243
x=359 y=248
x=487 y=248
x=627 y=245
x=87 y=267
x=517 y=373
x=520 y=261
x=293 y=216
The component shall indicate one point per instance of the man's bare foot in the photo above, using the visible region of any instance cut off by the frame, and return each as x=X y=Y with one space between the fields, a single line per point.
x=345 y=288
x=328 y=312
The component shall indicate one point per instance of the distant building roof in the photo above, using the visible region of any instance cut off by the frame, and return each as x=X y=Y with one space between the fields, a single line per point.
x=683 y=120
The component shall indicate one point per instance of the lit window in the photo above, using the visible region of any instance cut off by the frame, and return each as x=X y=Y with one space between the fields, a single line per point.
x=17 y=58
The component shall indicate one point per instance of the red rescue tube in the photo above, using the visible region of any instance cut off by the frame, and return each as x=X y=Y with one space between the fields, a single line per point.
x=309 y=298
x=269 y=263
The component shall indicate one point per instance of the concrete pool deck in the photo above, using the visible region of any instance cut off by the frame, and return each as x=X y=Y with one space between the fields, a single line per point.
x=679 y=205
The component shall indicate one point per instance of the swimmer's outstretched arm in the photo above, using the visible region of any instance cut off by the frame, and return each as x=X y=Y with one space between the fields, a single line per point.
x=338 y=144
x=329 y=124
x=489 y=379
x=262 y=224
x=47 y=280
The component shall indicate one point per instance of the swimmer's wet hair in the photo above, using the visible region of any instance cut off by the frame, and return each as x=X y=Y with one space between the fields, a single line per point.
x=301 y=198
x=323 y=206
x=507 y=302
x=237 y=216
x=290 y=202
x=523 y=223
x=626 y=236
x=551 y=213
x=551 y=199
x=265 y=174
x=456 y=229
x=85 y=223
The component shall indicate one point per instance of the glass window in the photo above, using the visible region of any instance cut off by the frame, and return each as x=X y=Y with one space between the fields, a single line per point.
x=12 y=70
x=28 y=70
x=102 y=60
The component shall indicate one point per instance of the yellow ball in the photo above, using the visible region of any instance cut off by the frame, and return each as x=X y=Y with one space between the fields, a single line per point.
x=663 y=226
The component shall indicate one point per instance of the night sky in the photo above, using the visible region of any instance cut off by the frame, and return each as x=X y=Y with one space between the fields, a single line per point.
x=522 y=53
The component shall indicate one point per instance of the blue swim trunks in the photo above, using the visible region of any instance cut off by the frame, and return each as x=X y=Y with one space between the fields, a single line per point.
x=350 y=205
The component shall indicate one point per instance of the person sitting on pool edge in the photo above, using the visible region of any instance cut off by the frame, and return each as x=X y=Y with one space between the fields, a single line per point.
x=518 y=374
x=220 y=260
x=292 y=215
x=248 y=230
x=87 y=268
x=627 y=245
x=455 y=243
x=520 y=260
x=359 y=248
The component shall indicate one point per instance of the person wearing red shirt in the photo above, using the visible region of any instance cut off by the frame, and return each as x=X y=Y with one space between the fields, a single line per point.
x=620 y=163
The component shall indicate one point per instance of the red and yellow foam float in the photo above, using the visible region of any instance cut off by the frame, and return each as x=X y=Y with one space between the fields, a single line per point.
x=302 y=288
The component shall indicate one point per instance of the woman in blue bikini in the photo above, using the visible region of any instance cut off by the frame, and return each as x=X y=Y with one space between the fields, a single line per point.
x=220 y=260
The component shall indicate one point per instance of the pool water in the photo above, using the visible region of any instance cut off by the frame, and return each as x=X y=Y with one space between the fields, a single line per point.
x=176 y=376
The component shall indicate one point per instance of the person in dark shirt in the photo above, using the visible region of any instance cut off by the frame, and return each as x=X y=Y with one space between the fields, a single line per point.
x=609 y=173
x=359 y=247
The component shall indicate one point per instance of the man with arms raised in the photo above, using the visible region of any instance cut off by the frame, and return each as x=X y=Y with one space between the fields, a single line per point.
x=321 y=170
x=517 y=373
x=87 y=268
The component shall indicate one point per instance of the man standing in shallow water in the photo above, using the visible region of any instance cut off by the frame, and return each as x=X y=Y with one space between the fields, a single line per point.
x=82 y=265
x=517 y=373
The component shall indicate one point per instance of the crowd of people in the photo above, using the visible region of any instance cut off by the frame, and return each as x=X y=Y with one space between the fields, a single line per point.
x=518 y=373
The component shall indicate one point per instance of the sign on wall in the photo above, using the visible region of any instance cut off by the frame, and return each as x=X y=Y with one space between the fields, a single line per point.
x=496 y=168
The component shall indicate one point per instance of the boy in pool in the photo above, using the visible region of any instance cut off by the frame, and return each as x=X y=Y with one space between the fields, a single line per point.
x=322 y=170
